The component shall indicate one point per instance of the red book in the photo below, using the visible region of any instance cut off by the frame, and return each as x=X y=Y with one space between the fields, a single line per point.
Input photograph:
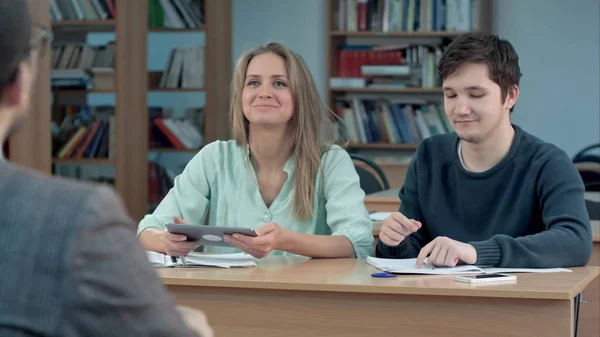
x=111 y=8
x=94 y=128
x=167 y=132
x=361 y=15
x=343 y=63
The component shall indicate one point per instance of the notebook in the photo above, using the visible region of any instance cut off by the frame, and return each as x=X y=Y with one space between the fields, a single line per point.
x=236 y=260
x=407 y=266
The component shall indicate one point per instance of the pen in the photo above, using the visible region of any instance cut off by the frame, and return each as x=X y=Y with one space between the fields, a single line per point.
x=183 y=261
x=174 y=260
x=427 y=266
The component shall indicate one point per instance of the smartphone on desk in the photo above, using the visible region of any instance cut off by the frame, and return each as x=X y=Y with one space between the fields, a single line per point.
x=484 y=278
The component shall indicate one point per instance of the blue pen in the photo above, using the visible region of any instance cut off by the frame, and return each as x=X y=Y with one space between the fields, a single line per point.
x=383 y=275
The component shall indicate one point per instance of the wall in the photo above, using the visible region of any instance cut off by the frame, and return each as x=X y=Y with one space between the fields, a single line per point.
x=559 y=47
x=300 y=25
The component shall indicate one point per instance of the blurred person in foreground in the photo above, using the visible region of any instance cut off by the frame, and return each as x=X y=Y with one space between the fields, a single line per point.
x=70 y=264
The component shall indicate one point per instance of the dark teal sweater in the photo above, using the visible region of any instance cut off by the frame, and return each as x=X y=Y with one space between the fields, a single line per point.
x=527 y=211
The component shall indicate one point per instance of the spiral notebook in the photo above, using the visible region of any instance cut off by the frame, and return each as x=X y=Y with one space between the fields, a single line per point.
x=192 y=260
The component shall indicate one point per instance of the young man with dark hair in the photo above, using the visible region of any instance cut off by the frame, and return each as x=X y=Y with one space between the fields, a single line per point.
x=489 y=193
x=70 y=263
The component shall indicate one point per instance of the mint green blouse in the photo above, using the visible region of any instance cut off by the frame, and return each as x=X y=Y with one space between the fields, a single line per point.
x=220 y=179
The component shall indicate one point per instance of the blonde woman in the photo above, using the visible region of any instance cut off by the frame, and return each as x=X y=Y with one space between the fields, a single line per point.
x=300 y=193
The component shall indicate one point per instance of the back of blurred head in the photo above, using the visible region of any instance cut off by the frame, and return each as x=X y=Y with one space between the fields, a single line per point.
x=17 y=64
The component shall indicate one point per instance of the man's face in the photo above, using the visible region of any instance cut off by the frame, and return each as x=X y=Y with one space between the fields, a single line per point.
x=473 y=103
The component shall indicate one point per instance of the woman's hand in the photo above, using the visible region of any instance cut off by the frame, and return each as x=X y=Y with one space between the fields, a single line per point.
x=269 y=237
x=175 y=244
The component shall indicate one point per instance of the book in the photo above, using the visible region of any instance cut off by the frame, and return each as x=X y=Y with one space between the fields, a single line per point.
x=193 y=259
x=407 y=266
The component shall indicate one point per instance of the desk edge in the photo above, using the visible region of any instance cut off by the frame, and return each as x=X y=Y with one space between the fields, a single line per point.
x=380 y=290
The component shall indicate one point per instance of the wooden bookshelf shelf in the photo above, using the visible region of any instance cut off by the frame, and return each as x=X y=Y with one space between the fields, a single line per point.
x=382 y=146
x=83 y=91
x=83 y=161
x=176 y=89
x=390 y=90
x=84 y=25
x=175 y=30
x=166 y=149
x=154 y=81
x=396 y=34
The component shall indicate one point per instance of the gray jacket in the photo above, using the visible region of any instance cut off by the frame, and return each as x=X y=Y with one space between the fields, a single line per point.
x=70 y=264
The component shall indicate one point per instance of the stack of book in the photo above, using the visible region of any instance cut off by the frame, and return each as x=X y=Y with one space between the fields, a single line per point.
x=176 y=14
x=81 y=66
x=184 y=69
x=406 y=15
x=390 y=121
x=183 y=133
x=61 y=10
x=388 y=66
x=83 y=132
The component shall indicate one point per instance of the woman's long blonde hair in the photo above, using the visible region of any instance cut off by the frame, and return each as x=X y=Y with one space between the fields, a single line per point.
x=311 y=123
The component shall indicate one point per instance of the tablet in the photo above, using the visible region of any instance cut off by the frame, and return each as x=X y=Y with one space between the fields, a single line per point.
x=207 y=235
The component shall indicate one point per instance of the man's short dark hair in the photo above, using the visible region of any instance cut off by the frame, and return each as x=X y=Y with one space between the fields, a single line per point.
x=15 y=35
x=498 y=55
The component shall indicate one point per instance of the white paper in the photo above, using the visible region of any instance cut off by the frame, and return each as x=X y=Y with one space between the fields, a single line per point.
x=220 y=260
x=408 y=266
x=159 y=260
x=379 y=216
x=202 y=260
x=525 y=270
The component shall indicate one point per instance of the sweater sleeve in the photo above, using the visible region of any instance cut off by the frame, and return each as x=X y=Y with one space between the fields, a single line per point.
x=411 y=208
x=567 y=239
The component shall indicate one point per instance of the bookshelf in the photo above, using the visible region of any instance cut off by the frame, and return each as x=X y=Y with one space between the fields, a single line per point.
x=377 y=33
x=388 y=90
x=31 y=146
x=107 y=25
x=176 y=30
x=393 y=34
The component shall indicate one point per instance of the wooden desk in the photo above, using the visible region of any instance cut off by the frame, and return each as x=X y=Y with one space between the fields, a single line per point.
x=396 y=171
x=588 y=167
x=293 y=296
x=384 y=201
x=589 y=316
x=388 y=200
